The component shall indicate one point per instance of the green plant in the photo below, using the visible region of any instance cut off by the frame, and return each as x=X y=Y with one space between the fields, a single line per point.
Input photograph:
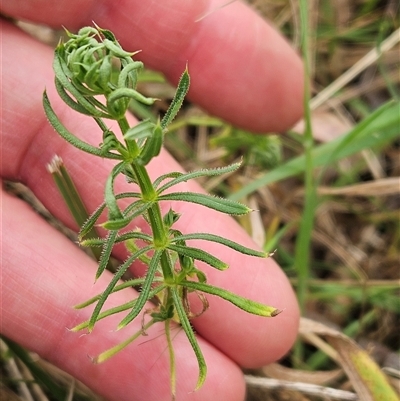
x=92 y=65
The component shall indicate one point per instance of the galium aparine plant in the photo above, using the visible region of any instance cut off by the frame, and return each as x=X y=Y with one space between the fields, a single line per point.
x=96 y=77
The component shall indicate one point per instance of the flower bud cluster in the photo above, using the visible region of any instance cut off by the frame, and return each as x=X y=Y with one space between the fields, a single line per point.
x=93 y=64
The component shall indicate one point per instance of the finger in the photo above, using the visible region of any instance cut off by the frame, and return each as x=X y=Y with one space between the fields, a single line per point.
x=44 y=275
x=242 y=69
x=261 y=340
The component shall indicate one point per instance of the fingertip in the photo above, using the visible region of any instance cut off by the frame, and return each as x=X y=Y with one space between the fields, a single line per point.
x=243 y=70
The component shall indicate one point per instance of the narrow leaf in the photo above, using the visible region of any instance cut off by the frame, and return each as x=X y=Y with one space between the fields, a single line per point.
x=69 y=100
x=132 y=211
x=220 y=204
x=163 y=177
x=140 y=131
x=72 y=139
x=181 y=91
x=199 y=173
x=126 y=284
x=128 y=75
x=119 y=347
x=191 y=336
x=106 y=253
x=221 y=240
x=92 y=242
x=91 y=221
x=106 y=313
x=144 y=294
x=117 y=276
x=61 y=71
x=115 y=48
x=116 y=224
x=199 y=254
x=245 y=304
x=134 y=235
x=127 y=94
x=152 y=146
x=117 y=309
x=121 y=238
x=113 y=210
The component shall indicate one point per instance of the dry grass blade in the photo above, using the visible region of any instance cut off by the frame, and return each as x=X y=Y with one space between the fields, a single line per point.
x=368 y=380
x=382 y=187
x=358 y=67
x=304 y=388
x=280 y=372
x=15 y=374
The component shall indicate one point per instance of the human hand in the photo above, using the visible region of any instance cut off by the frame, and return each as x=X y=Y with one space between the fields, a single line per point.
x=44 y=274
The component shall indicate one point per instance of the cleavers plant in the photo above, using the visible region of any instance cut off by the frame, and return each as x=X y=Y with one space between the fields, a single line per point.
x=96 y=77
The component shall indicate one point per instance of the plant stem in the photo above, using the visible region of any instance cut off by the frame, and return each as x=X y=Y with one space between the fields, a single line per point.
x=159 y=231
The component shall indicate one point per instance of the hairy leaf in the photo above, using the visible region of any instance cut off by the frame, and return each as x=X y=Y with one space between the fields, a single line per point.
x=247 y=305
x=220 y=204
x=198 y=254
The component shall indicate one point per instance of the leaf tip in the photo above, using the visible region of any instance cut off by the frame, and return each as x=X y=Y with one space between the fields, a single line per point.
x=270 y=254
x=201 y=379
x=74 y=329
x=120 y=326
x=224 y=266
x=276 y=312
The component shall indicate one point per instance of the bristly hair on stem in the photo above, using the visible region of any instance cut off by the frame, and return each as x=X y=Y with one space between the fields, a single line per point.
x=96 y=77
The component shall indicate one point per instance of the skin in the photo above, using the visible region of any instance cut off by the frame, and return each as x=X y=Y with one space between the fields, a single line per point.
x=235 y=60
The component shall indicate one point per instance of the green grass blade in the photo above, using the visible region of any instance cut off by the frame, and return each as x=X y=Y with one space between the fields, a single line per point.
x=303 y=240
x=375 y=130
